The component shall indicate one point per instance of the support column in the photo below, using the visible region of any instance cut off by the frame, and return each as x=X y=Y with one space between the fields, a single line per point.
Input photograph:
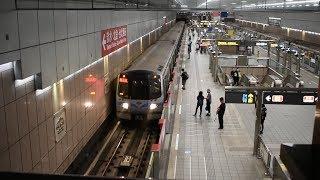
x=316 y=127
x=284 y=68
x=316 y=69
x=298 y=64
x=289 y=57
x=258 y=123
x=278 y=58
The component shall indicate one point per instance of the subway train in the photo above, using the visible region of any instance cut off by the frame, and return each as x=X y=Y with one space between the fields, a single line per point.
x=142 y=88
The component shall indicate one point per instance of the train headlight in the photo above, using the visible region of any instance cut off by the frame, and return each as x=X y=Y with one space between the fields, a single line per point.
x=153 y=106
x=125 y=105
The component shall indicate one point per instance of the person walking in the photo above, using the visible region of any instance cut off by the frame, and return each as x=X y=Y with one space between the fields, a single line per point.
x=220 y=112
x=200 y=99
x=263 y=117
x=184 y=77
x=208 y=102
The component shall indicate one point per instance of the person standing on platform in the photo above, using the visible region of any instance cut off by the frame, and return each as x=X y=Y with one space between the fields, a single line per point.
x=189 y=49
x=232 y=75
x=236 y=77
x=208 y=101
x=220 y=112
x=263 y=117
x=184 y=77
x=200 y=99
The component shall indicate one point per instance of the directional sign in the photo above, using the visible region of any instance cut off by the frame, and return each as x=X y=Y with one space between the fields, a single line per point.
x=245 y=97
x=113 y=39
x=294 y=98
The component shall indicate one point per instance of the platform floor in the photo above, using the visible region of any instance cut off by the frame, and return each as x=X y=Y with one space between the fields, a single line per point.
x=200 y=151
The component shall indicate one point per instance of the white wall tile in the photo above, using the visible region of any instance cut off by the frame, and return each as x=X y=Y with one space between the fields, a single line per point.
x=45 y=164
x=46 y=26
x=22 y=113
x=60 y=24
x=91 y=48
x=28 y=28
x=48 y=64
x=98 y=45
x=8 y=88
x=10 y=56
x=74 y=63
x=83 y=51
x=12 y=123
x=26 y=153
x=43 y=139
x=37 y=168
x=82 y=22
x=32 y=110
x=30 y=61
x=64 y=143
x=20 y=90
x=48 y=103
x=9 y=26
x=72 y=21
x=50 y=133
x=97 y=21
x=52 y=160
x=90 y=21
x=15 y=157
x=41 y=110
x=35 y=146
x=5 y=161
x=58 y=157
x=62 y=59
x=3 y=130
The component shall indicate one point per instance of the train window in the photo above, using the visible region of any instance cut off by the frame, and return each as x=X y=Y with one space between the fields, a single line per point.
x=139 y=89
x=155 y=87
x=123 y=90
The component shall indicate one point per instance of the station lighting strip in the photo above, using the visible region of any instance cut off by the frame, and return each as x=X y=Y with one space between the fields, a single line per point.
x=288 y=3
x=290 y=29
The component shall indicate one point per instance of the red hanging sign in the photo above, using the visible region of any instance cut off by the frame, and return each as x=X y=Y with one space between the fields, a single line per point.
x=113 y=39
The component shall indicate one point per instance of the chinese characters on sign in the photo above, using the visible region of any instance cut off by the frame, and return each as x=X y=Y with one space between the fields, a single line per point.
x=59 y=124
x=113 y=39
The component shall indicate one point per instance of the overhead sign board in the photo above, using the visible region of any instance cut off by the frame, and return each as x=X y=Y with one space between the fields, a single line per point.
x=227 y=43
x=113 y=39
x=243 y=97
x=293 y=98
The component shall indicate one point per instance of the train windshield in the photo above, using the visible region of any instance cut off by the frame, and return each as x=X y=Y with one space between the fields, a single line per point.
x=140 y=86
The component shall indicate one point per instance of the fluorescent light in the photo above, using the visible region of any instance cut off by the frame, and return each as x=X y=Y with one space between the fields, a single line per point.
x=20 y=82
x=244 y=1
x=233 y=3
x=6 y=66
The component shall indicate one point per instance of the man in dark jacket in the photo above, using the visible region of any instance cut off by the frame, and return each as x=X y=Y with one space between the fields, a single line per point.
x=220 y=112
x=184 y=77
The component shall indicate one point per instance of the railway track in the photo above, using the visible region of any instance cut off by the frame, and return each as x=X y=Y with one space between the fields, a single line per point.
x=126 y=153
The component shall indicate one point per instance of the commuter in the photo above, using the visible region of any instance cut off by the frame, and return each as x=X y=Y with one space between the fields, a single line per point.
x=184 y=77
x=189 y=49
x=236 y=77
x=220 y=112
x=200 y=99
x=208 y=102
x=263 y=117
x=232 y=75
x=197 y=47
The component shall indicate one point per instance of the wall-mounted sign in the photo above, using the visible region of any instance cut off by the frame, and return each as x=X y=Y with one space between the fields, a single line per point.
x=261 y=44
x=113 y=39
x=294 y=98
x=244 y=97
x=227 y=43
x=60 y=124
x=273 y=21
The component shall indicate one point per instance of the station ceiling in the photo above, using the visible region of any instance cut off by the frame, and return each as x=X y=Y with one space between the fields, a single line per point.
x=175 y=4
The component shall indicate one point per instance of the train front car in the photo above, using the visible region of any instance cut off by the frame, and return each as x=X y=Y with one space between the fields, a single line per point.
x=139 y=95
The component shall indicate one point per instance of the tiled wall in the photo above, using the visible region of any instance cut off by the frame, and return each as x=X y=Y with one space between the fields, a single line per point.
x=27 y=140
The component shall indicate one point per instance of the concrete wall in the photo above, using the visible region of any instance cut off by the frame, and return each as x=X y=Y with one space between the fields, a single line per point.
x=64 y=46
x=309 y=21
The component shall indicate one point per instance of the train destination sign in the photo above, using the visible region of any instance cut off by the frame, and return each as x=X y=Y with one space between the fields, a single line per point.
x=293 y=98
x=243 y=97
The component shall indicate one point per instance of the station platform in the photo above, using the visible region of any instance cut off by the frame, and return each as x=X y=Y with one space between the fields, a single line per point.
x=200 y=151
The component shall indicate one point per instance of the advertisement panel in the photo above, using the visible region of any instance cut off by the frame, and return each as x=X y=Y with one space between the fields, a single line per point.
x=113 y=39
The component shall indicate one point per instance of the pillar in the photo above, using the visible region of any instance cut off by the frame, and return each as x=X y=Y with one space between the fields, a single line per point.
x=316 y=127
